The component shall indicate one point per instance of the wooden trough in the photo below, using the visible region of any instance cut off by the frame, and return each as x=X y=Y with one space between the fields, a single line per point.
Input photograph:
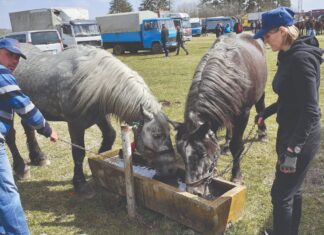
x=170 y=199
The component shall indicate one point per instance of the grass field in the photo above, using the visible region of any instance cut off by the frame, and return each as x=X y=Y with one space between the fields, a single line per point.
x=52 y=208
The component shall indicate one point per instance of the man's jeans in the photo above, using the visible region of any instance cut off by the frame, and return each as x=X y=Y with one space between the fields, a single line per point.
x=12 y=218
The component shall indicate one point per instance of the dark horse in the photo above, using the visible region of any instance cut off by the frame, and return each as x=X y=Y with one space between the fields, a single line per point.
x=228 y=81
x=82 y=86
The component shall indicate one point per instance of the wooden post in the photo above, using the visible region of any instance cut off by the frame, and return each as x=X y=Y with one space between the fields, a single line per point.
x=129 y=179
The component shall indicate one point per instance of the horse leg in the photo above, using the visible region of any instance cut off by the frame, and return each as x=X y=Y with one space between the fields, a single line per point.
x=226 y=148
x=262 y=129
x=108 y=134
x=20 y=168
x=37 y=157
x=237 y=145
x=81 y=187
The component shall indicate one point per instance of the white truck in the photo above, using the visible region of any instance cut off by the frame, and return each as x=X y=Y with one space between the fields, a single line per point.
x=73 y=24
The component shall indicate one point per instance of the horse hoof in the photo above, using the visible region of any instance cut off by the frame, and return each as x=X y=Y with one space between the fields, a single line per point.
x=237 y=180
x=262 y=136
x=40 y=162
x=85 y=191
x=263 y=139
x=23 y=173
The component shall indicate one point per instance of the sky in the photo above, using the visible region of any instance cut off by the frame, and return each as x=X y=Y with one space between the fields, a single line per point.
x=100 y=7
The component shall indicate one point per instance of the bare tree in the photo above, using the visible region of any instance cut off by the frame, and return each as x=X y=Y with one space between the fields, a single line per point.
x=117 y=6
x=189 y=7
x=155 y=5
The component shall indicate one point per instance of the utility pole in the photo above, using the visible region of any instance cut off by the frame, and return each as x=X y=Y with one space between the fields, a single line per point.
x=300 y=6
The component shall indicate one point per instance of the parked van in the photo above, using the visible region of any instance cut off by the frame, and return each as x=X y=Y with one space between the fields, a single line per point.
x=46 y=40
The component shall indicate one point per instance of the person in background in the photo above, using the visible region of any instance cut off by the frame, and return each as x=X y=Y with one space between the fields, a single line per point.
x=204 y=30
x=296 y=83
x=227 y=29
x=238 y=27
x=165 y=39
x=12 y=99
x=253 y=27
x=218 y=30
x=311 y=27
x=180 y=42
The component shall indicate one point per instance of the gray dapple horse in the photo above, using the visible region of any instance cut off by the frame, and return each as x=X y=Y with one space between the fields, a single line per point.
x=82 y=86
x=228 y=81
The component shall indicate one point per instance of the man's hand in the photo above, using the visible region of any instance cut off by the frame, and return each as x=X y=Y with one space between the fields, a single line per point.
x=288 y=162
x=54 y=136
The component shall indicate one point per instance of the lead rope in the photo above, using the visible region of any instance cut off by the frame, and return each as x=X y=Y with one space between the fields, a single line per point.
x=80 y=147
x=135 y=125
x=252 y=140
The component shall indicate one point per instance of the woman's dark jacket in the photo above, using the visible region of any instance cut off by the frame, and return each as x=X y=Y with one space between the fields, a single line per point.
x=297 y=82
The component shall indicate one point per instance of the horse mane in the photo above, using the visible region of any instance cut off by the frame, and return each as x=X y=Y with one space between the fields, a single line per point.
x=101 y=79
x=217 y=92
x=97 y=81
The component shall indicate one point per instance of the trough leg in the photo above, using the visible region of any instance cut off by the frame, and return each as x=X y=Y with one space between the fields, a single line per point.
x=108 y=135
x=262 y=129
x=237 y=145
x=81 y=187
x=20 y=167
x=37 y=157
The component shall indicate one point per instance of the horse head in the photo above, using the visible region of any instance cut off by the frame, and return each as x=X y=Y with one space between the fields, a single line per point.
x=153 y=142
x=200 y=151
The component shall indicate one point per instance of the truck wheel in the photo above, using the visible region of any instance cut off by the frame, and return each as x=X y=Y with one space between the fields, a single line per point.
x=133 y=51
x=156 y=48
x=118 y=49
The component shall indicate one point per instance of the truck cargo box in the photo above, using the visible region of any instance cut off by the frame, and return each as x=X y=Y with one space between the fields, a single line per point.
x=123 y=22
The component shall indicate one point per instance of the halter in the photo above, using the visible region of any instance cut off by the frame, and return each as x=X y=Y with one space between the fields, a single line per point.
x=206 y=180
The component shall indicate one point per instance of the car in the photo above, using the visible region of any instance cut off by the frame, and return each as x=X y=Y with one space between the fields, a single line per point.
x=46 y=40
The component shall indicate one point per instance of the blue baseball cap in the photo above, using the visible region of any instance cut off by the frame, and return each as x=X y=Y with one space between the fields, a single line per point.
x=11 y=45
x=281 y=16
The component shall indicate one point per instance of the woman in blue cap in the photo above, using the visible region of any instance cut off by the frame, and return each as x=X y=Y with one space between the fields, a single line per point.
x=296 y=83
x=12 y=218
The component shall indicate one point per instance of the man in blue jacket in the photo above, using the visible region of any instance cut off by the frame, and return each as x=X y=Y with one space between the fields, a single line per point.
x=12 y=218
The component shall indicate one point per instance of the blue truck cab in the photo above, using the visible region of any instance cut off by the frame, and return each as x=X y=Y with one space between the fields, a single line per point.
x=195 y=26
x=146 y=36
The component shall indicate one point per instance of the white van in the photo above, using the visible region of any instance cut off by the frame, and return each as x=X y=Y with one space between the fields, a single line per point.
x=46 y=40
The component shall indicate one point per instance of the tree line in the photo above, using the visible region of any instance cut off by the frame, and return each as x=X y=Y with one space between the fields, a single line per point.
x=204 y=8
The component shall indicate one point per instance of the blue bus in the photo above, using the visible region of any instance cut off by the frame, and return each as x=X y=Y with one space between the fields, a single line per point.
x=211 y=22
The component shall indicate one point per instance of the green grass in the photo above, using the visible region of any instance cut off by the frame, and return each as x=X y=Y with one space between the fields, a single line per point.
x=51 y=208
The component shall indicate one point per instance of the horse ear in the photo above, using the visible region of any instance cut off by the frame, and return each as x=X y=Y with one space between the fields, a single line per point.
x=146 y=114
x=194 y=122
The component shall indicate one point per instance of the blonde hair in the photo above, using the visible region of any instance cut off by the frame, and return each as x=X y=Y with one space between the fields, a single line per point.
x=292 y=33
